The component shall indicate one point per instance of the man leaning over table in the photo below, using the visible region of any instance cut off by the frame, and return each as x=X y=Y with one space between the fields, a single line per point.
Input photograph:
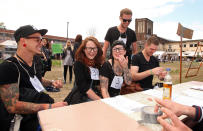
x=145 y=65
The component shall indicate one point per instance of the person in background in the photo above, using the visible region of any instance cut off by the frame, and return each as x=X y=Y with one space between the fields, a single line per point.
x=122 y=32
x=88 y=61
x=115 y=72
x=78 y=41
x=68 y=61
x=21 y=90
x=46 y=53
x=173 y=110
x=145 y=65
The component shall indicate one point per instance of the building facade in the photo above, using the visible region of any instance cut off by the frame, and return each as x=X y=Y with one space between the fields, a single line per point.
x=8 y=35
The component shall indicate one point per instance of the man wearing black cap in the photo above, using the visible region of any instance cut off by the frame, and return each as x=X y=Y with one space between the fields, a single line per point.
x=21 y=90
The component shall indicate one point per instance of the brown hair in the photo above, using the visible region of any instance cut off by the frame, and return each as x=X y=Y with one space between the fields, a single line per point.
x=153 y=40
x=80 y=54
x=125 y=11
x=48 y=44
x=78 y=38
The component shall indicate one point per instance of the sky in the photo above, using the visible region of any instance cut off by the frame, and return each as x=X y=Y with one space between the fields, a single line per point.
x=84 y=16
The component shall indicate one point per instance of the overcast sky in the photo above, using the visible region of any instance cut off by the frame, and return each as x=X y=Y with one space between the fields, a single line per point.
x=84 y=15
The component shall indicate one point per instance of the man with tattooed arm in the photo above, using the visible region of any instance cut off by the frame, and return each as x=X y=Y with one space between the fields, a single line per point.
x=21 y=86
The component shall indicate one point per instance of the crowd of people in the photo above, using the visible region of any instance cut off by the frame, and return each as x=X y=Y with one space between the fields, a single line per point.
x=97 y=76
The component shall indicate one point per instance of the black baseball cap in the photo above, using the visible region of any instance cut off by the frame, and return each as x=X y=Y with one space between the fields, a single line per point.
x=27 y=30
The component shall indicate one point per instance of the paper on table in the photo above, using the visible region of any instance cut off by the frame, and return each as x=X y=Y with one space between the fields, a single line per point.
x=194 y=93
x=200 y=87
x=153 y=92
x=157 y=93
x=123 y=104
x=186 y=100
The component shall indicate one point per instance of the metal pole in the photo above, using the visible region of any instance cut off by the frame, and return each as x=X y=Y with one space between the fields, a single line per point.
x=180 y=59
x=67 y=28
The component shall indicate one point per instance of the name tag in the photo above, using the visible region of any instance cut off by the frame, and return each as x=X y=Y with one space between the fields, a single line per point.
x=123 y=39
x=117 y=82
x=94 y=73
x=37 y=84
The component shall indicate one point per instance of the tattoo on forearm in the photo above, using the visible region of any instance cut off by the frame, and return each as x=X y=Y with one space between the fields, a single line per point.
x=46 y=82
x=104 y=82
x=127 y=76
x=10 y=97
x=104 y=86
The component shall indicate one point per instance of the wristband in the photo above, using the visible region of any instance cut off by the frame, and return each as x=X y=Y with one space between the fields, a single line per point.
x=151 y=72
x=49 y=106
x=197 y=113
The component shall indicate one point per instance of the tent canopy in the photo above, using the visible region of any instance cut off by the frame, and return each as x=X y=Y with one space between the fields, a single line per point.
x=157 y=53
x=9 y=44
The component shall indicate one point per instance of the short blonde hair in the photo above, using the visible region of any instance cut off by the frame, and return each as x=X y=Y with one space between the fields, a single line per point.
x=153 y=40
x=125 y=11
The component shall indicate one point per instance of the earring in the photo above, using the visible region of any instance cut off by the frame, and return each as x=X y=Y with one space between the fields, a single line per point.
x=24 y=45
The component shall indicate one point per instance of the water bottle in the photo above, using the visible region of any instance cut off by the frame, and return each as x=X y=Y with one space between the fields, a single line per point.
x=167 y=85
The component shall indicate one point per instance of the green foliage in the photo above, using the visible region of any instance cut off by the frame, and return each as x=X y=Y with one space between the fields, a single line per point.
x=57 y=62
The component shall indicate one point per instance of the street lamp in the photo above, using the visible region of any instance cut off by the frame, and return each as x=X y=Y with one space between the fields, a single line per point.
x=67 y=28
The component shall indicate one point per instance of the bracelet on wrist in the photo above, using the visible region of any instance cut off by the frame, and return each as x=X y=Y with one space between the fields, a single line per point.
x=151 y=72
x=49 y=106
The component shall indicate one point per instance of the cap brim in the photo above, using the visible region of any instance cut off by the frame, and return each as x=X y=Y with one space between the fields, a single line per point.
x=42 y=31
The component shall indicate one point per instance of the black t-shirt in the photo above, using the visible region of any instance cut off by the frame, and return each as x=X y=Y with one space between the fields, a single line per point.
x=9 y=74
x=140 y=61
x=107 y=71
x=113 y=34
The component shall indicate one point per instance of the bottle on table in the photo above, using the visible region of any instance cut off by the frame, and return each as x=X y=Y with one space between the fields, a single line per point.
x=167 y=85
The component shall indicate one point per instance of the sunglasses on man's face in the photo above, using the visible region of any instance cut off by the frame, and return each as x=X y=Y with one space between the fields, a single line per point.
x=38 y=39
x=127 y=20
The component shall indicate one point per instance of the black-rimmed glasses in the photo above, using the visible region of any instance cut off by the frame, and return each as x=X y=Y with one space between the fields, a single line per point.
x=38 y=39
x=90 y=49
x=118 y=49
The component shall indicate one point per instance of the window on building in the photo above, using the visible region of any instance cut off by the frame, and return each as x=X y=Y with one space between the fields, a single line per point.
x=191 y=45
x=169 y=46
x=184 y=45
x=195 y=45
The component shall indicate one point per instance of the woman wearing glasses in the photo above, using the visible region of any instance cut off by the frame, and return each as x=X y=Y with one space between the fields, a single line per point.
x=88 y=60
x=115 y=71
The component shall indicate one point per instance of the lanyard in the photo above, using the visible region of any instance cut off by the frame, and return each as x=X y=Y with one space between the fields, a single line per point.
x=26 y=64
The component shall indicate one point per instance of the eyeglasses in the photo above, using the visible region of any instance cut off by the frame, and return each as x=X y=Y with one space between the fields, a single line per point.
x=90 y=49
x=118 y=49
x=127 y=20
x=38 y=39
